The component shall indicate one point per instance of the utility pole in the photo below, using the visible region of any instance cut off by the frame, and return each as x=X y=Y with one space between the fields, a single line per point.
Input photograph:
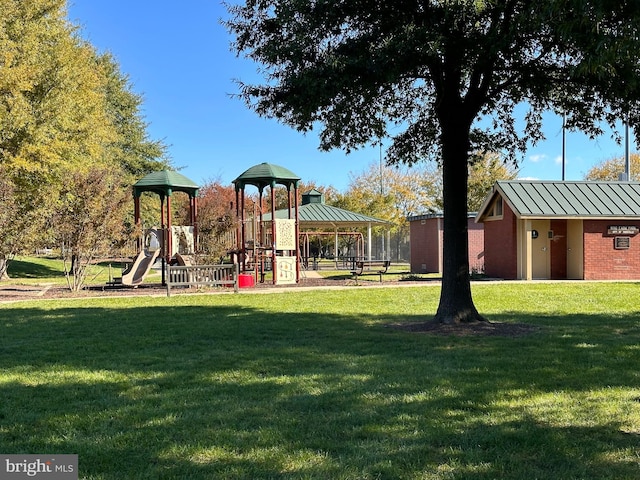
x=627 y=160
x=382 y=193
x=564 y=128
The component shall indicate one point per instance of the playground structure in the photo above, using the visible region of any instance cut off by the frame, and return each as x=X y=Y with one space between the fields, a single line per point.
x=170 y=243
x=262 y=242
x=276 y=249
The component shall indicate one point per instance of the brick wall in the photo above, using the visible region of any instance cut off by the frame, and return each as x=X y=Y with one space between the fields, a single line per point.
x=476 y=246
x=601 y=260
x=424 y=240
x=500 y=246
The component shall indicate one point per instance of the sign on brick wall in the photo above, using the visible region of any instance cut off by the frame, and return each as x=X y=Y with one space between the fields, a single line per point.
x=622 y=230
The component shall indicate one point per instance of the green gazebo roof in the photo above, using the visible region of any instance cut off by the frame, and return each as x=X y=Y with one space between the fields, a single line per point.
x=165 y=183
x=266 y=175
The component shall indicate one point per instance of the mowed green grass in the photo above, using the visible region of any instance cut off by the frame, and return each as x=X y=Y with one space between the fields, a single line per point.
x=316 y=385
x=50 y=270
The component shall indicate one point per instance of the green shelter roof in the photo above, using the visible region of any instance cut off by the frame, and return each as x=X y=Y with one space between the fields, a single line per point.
x=583 y=199
x=266 y=175
x=165 y=183
x=318 y=214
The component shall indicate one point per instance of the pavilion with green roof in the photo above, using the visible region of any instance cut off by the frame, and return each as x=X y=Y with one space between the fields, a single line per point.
x=315 y=214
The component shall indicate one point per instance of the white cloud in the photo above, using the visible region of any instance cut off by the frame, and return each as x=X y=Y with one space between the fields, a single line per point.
x=558 y=160
x=537 y=157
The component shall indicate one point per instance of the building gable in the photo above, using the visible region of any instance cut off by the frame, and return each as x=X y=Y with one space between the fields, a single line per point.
x=549 y=199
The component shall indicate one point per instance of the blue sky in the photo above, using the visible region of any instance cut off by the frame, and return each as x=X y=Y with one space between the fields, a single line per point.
x=177 y=56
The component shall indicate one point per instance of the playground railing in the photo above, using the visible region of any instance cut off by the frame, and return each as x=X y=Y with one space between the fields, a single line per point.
x=202 y=275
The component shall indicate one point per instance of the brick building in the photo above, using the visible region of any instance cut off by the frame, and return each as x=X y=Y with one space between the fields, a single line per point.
x=426 y=240
x=562 y=230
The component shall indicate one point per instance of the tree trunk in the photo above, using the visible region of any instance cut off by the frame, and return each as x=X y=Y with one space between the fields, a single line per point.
x=3 y=269
x=456 y=304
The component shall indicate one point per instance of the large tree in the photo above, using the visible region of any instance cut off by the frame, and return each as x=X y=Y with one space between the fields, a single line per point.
x=52 y=103
x=132 y=148
x=63 y=109
x=433 y=69
x=52 y=115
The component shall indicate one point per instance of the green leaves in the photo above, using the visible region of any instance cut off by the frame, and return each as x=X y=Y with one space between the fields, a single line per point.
x=338 y=65
x=427 y=74
x=65 y=111
x=89 y=219
x=50 y=92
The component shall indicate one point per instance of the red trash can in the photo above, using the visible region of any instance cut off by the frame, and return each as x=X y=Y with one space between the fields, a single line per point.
x=245 y=280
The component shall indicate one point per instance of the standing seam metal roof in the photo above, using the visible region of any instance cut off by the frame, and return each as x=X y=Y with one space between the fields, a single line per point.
x=568 y=199
x=320 y=213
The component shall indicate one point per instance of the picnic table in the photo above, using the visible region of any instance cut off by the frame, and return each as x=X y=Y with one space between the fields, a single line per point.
x=381 y=267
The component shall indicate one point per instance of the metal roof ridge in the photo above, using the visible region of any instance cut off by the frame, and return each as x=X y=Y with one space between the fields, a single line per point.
x=591 y=182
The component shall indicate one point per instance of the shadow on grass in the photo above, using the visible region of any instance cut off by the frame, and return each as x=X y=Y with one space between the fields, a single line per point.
x=29 y=269
x=232 y=392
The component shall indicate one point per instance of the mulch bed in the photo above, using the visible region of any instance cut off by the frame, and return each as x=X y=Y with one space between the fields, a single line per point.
x=476 y=329
x=11 y=292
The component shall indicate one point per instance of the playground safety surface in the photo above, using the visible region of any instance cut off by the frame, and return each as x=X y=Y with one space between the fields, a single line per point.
x=16 y=292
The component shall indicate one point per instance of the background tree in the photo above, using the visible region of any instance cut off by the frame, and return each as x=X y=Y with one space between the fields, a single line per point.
x=610 y=170
x=89 y=219
x=132 y=148
x=303 y=187
x=52 y=116
x=433 y=70
x=216 y=221
x=483 y=174
x=395 y=193
x=391 y=194
x=52 y=104
x=10 y=224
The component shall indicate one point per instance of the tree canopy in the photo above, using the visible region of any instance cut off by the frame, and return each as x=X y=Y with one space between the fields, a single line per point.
x=52 y=106
x=433 y=70
x=483 y=173
x=65 y=109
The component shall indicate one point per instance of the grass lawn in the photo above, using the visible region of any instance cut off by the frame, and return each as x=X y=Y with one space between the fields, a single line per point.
x=315 y=385
x=50 y=270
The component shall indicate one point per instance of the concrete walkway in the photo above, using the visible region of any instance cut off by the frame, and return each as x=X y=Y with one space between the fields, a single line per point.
x=310 y=274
